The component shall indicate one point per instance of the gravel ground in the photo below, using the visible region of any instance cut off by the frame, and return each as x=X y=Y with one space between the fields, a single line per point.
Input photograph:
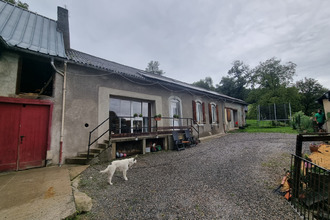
x=229 y=177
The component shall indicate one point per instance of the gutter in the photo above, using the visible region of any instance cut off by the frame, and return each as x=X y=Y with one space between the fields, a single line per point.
x=63 y=107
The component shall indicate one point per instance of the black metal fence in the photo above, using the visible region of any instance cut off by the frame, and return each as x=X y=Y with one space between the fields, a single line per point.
x=310 y=189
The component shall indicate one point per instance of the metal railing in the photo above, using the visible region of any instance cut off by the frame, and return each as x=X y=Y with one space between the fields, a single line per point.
x=90 y=142
x=123 y=127
x=310 y=189
x=136 y=130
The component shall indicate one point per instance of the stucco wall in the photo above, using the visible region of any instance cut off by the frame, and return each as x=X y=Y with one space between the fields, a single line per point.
x=240 y=116
x=8 y=73
x=87 y=103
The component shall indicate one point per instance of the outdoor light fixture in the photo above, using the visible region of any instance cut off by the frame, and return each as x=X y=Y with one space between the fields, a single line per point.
x=136 y=139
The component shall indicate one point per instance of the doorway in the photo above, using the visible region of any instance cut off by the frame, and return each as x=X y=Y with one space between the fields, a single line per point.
x=24 y=130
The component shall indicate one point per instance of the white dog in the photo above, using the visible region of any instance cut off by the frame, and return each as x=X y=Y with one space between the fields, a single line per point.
x=121 y=165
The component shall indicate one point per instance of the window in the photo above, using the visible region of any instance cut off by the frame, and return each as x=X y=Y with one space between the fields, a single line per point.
x=199 y=112
x=175 y=109
x=121 y=116
x=213 y=113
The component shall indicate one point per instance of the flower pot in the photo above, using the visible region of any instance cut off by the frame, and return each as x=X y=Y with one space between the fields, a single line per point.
x=313 y=148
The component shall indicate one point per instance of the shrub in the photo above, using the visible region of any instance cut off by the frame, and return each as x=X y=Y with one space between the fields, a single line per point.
x=302 y=122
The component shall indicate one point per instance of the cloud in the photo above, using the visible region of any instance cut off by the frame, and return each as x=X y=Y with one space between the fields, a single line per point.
x=193 y=39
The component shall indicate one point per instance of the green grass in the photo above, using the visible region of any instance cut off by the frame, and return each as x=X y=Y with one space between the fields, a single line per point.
x=253 y=126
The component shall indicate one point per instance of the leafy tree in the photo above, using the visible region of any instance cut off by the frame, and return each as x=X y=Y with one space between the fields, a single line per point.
x=272 y=74
x=271 y=82
x=206 y=83
x=235 y=83
x=18 y=3
x=310 y=90
x=264 y=97
x=153 y=67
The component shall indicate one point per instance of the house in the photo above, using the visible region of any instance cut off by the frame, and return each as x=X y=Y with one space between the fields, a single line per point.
x=325 y=101
x=57 y=102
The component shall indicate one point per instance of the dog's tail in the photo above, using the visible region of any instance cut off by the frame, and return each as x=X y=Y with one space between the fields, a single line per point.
x=106 y=169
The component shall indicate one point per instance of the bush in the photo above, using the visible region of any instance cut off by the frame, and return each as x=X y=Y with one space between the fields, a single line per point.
x=301 y=122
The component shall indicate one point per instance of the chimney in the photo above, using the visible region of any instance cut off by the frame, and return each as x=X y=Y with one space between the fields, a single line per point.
x=63 y=25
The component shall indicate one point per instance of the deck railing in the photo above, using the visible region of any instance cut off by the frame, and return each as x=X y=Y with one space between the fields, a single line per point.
x=142 y=126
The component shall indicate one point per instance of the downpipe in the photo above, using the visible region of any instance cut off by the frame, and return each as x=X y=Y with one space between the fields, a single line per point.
x=63 y=108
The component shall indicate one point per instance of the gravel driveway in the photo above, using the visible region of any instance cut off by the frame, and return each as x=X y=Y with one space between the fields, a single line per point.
x=230 y=177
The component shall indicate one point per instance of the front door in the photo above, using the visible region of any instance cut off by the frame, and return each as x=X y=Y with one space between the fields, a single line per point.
x=23 y=135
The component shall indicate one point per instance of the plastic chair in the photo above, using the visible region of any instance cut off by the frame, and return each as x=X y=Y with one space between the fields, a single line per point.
x=177 y=142
x=189 y=138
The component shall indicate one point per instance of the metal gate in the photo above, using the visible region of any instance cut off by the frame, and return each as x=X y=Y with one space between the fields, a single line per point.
x=24 y=130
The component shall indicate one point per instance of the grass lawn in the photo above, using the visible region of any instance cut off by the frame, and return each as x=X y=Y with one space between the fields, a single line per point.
x=253 y=126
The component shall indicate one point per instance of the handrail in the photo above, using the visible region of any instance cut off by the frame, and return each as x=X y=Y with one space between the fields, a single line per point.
x=90 y=136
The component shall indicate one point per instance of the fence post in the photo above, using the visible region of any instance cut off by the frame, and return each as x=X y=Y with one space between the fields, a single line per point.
x=297 y=167
x=275 y=112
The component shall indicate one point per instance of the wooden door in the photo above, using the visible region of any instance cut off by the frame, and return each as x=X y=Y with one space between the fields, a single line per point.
x=24 y=136
x=9 y=130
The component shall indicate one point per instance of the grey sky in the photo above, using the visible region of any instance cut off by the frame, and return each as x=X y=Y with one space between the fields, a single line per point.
x=193 y=39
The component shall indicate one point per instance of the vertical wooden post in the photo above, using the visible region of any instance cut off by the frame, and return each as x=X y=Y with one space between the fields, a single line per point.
x=297 y=167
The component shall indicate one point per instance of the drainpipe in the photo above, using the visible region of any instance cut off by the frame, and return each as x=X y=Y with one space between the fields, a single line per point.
x=63 y=108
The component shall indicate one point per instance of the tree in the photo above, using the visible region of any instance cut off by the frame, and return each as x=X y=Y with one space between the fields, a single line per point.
x=153 y=67
x=19 y=4
x=206 y=83
x=235 y=83
x=271 y=82
x=272 y=74
x=310 y=90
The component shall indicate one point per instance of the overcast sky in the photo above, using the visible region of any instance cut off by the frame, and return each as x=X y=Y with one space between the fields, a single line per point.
x=193 y=39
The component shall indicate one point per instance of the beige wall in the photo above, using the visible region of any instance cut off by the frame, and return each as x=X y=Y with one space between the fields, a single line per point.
x=8 y=73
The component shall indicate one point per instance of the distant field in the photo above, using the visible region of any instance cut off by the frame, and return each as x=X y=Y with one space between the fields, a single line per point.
x=253 y=126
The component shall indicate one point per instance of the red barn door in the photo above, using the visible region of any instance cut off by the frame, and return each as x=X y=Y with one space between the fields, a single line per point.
x=23 y=135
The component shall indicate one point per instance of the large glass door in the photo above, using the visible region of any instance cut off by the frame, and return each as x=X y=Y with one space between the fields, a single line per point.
x=128 y=116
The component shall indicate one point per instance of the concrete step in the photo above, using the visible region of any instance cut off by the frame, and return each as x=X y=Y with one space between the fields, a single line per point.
x=103 y=146
x=84 y=154
x=96 y=150
x=76 y=160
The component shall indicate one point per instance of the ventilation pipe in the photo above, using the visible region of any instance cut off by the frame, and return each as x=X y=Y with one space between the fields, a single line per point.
x=63 y=107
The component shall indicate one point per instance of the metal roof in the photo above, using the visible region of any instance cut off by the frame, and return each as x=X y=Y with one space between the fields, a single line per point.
x=96 y=62
x=106 y=65
x=20 y=28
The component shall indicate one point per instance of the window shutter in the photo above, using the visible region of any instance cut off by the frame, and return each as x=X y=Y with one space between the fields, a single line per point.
x=204 y=119
x=228 y=115
x=210 y=113
x=217 y=113
x=194 y=111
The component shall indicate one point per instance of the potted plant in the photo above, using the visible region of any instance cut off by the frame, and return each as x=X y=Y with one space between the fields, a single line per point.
x=158 y=117
x=175 y=116
x=140 y=115
x=135 y=115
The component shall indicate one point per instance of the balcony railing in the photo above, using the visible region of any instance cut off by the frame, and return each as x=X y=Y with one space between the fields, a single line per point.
x=119 y=127
x=139 y=126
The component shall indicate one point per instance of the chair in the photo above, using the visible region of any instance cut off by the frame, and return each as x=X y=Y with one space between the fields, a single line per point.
x=177 y=142
x=189 y=138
